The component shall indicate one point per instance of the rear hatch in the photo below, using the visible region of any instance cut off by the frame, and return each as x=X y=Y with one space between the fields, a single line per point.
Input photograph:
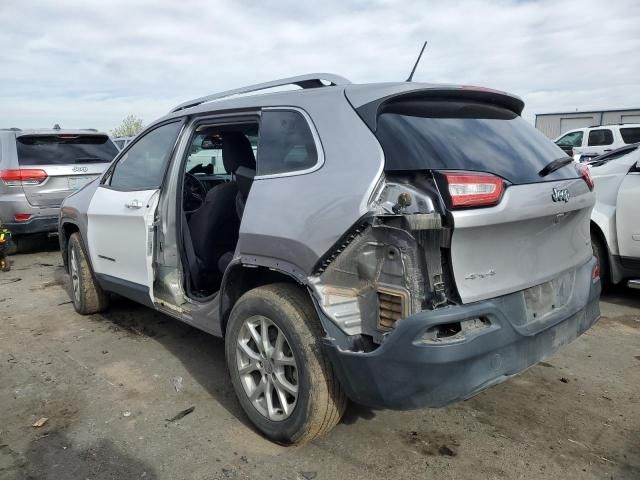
x=58 y=164
x=518 y=207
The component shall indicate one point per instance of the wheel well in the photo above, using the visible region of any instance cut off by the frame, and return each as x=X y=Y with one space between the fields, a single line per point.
x=597 y=232
x=240 y=279
x=67 y=230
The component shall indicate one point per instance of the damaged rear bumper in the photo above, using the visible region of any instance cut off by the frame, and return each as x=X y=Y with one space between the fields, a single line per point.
x=406 y=372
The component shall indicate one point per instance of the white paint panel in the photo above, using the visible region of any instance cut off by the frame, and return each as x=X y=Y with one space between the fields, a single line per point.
x=120 y=236
x=628 y=220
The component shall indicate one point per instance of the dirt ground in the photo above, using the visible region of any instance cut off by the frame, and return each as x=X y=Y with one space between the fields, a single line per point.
x=108 y=383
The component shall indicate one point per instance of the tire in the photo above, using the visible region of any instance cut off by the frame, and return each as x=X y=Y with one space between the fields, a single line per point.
x=600 y=252
x=319 y=402
x=87 y=296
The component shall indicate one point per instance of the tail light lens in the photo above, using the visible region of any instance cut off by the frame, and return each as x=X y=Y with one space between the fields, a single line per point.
x=471 y=189
x=22 y=217
x=585 y=173
x=23 y=176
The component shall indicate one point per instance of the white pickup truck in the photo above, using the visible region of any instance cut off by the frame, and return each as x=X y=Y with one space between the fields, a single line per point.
x=586 y=143
x=615 y=223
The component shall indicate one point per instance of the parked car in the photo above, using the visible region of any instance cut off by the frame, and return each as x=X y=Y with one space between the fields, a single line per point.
x=402 y=245
x=586 y=143
x=122 y=142
x=615 y=220
x=39 y=168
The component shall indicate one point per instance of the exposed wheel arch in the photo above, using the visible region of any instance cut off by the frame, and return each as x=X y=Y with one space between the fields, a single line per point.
x=66 y=230
x=240 y=278
x=601 y=251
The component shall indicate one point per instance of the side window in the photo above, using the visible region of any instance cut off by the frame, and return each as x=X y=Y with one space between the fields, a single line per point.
x=144 y=164
x=573 y=139
x=599 y=137
x=630 y=134
x=285 y=143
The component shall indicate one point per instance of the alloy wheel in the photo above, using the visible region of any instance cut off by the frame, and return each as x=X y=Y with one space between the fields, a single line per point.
x=267 y=368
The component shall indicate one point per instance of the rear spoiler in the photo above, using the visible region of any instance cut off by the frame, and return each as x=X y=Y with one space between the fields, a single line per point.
x=369 y=111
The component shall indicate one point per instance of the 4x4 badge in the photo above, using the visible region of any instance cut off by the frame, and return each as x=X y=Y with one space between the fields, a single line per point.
x=560 y=195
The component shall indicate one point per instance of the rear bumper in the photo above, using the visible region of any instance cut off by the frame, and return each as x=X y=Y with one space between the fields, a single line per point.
x=43 y=219
x=34 y=225
x=405 y=373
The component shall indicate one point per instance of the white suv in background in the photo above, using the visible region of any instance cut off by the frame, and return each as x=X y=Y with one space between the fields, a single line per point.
x=589 y=142
x=615 y=223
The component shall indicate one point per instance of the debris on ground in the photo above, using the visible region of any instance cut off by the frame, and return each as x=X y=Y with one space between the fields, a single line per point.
x=126 y=414
x=446 y=451
x=177 y=383
x=564 y=380
x=40 y=422
x=181 y=414
x=227 y=472
x=307 y=475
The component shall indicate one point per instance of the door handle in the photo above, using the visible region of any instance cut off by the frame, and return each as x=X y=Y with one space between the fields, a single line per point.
x=134 y=204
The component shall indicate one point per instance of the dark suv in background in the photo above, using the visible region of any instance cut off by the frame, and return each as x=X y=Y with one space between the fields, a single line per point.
x=40 y=168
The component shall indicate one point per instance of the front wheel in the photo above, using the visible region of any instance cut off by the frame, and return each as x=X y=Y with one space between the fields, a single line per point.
x=280 y=374
x=87 y=296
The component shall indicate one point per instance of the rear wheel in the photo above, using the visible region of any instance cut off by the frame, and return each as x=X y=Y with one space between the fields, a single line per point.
x=87 y=296
x=600 y=252
x=281 y=376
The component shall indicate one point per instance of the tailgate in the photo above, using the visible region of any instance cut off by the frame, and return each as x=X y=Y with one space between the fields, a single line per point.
x=526 y=240
x=64 y=162
x=61 y=181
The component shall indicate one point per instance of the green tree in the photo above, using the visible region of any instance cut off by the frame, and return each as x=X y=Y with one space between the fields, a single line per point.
x=129 y=127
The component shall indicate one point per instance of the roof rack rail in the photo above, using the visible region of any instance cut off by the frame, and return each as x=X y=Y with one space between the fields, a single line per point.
x=310 y=80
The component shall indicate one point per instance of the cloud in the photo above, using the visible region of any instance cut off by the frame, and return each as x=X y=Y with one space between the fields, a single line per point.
x=89 y=64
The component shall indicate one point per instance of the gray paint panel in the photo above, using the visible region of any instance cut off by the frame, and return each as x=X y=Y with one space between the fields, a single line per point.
x=298 y=218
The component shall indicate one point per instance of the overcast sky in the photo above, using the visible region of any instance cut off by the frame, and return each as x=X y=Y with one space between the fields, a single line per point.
x=91 y=63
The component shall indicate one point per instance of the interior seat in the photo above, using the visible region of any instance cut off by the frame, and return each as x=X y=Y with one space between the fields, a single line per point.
x=215 y=225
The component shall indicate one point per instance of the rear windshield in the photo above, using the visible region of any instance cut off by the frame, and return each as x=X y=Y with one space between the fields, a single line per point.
x=64 y=149
x=630 y=134
x=466 y=135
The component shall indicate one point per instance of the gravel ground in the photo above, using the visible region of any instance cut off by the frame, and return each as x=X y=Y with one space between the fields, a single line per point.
x=108 y=383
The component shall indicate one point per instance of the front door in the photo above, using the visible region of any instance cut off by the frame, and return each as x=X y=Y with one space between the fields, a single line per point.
x=627 y=218
x=122 y=214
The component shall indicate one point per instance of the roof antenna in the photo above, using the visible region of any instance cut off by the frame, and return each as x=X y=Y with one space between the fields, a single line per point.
x=410 y=79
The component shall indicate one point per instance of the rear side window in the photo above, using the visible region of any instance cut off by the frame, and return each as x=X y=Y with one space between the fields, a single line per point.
x=142 y=167
x=630 y=135
x=466 y=135
x=285 y=143
x=64 y=149
x=599 y=137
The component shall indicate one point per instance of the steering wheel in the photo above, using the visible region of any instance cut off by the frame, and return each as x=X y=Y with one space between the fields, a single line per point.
x=193 y=193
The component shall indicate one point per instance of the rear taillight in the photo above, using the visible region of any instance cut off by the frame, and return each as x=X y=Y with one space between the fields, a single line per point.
x=595 y=273
x=22 y=217
x=585 y=173
x=470 y=189
x=23 y=176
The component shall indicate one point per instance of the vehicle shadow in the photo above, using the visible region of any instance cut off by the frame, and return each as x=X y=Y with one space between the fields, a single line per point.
x=201 y=354
x=55 y=456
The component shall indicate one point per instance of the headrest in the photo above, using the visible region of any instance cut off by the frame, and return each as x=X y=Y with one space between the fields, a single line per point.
x=237 y=152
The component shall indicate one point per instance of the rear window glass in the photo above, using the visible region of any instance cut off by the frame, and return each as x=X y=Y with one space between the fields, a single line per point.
x=285 y=143
x=630 y=135
x=466 y=135
x=64 y=149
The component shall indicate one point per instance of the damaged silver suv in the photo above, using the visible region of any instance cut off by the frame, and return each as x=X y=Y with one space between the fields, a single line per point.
x=401 y=245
